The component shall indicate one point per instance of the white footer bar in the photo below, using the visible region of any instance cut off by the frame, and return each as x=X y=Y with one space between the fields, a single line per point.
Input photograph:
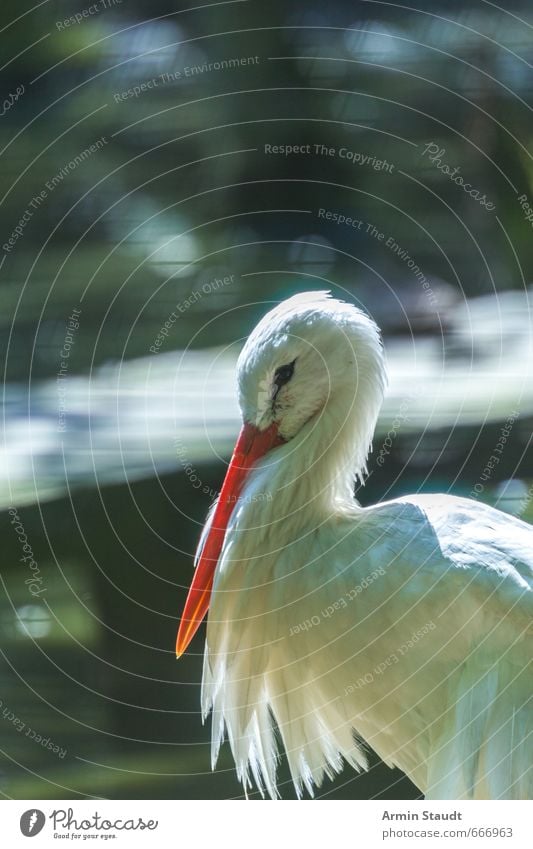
x=264 y=825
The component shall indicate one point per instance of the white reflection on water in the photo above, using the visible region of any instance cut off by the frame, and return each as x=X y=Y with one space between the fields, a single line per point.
x=33 y=621
x=124 y=422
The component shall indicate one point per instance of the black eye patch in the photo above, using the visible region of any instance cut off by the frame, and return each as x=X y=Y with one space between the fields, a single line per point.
x=283 y=374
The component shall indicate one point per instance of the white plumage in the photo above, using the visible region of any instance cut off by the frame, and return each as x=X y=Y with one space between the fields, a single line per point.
x=406 y=625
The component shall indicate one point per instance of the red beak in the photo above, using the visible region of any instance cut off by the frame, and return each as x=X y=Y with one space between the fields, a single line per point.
x=251 y=445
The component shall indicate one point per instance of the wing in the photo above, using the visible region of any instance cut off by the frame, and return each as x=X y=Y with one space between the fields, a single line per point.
x=471 y=568
x=483 y=748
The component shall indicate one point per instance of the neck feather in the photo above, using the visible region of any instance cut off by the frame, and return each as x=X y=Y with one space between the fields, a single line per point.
x=313 y=476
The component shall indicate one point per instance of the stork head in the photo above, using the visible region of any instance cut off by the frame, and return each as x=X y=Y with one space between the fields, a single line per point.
x=308 y=352
x=311 y=355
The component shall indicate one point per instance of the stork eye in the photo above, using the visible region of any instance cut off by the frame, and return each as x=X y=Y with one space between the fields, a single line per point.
x=283 y=374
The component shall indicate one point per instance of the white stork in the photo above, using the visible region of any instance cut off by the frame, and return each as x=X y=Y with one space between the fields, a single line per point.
x=406 y=625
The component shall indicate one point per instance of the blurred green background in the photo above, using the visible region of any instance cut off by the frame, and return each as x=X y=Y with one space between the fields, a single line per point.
x=136 y=185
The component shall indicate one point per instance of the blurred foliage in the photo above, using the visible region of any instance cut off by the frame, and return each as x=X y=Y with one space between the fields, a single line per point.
x=169 y=202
